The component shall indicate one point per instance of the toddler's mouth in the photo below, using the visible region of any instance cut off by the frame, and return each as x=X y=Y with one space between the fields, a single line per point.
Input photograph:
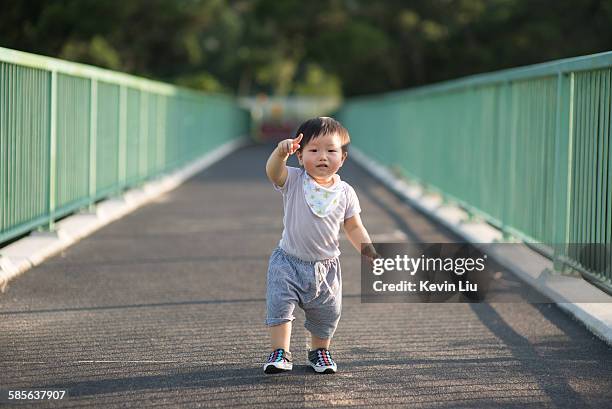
x=322 y=166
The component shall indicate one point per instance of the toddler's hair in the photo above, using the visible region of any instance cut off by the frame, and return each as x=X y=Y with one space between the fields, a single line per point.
x=321 y=126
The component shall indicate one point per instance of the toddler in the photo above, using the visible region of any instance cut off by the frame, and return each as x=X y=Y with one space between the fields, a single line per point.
x=304 y=269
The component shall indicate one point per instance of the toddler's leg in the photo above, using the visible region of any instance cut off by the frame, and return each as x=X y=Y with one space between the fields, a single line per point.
x=319 y=356
x=279 y=359
x=281 y=298
x=322 y=316
x=323 y=312
x=281 y=336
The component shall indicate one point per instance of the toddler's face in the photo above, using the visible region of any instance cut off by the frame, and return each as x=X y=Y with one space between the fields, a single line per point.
x=322 y=156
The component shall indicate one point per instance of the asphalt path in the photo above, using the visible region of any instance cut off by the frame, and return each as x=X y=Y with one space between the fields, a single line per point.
x=165 y=308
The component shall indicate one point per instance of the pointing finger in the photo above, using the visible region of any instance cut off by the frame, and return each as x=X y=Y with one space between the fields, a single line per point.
x=298 y=139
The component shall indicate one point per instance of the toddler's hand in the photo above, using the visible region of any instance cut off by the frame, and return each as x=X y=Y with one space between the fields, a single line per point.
x=370 y=253
x=289 y=146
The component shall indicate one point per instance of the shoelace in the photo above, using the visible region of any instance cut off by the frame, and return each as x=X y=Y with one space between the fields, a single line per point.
x=324 y=358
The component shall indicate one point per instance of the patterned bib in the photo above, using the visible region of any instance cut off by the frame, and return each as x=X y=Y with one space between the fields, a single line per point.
x=321 y=200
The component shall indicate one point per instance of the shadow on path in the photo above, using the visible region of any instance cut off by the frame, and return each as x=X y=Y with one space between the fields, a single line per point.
x=559 y=391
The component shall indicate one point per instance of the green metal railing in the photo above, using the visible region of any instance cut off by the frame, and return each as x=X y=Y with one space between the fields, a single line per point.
x=71 y=134
x=527 y=149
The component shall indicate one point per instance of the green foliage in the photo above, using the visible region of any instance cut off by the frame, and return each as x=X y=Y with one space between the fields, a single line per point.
x=202 y=81
x=97 y=52
x=328 y=47
x=318 y=82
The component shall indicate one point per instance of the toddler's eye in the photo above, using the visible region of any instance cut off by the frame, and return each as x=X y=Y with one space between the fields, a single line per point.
x=332 y=150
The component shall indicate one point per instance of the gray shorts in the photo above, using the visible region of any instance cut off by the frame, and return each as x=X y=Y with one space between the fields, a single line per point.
x=315 y=286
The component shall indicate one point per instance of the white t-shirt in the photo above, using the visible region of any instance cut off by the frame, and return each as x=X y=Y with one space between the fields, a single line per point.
x=305 y=235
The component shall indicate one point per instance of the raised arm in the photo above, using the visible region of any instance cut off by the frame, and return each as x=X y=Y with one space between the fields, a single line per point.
x=276 y=167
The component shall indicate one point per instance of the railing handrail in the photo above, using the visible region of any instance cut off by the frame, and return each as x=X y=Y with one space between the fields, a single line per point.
x=550 y=68
x=101 y=74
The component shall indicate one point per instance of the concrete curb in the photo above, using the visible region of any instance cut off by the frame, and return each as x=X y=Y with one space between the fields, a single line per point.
x=32 y=250
x=536 y=272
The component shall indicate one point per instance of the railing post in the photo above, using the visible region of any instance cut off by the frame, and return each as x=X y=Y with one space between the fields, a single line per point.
x=52 y=150
x=505 y=136
x=143 y=146
x=93 y=142
x=563 y=167
x=161 y=126
x=121 y=161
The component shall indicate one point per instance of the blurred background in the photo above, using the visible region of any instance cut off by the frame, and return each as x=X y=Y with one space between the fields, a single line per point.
x=324 y=50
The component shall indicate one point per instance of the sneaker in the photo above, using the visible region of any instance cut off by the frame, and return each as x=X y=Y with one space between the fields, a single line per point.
x=278 y=361
x=321 y=361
